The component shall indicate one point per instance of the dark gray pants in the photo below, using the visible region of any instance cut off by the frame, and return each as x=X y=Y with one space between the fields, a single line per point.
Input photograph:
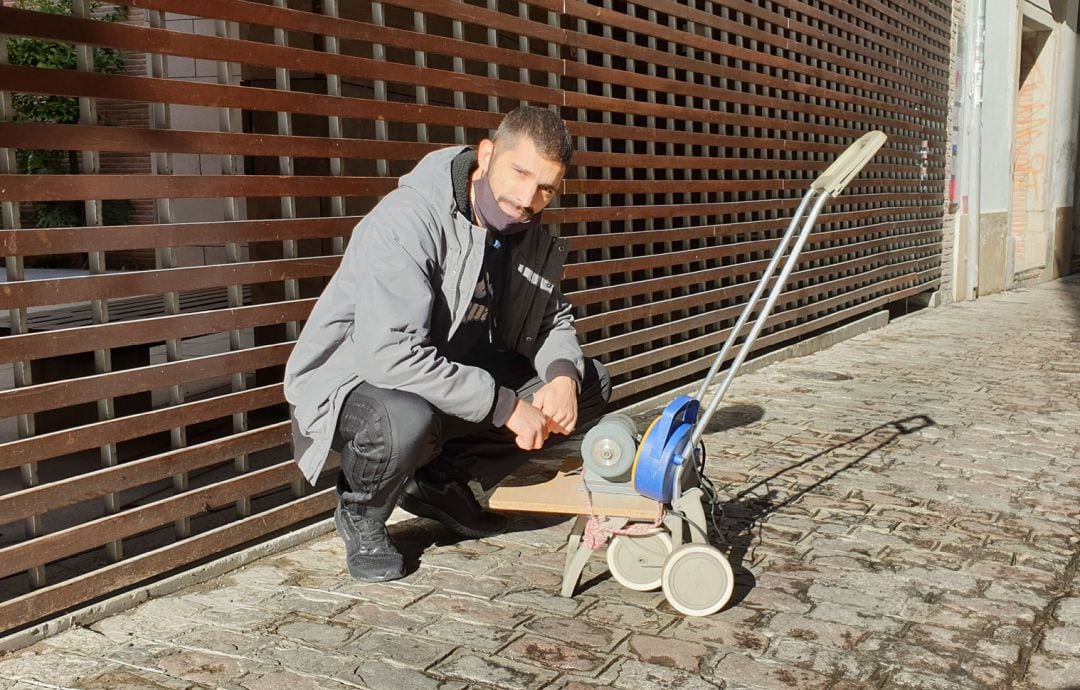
x=385 y=436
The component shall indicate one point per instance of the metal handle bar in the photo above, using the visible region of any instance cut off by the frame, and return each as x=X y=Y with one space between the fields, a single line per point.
x=828 y=184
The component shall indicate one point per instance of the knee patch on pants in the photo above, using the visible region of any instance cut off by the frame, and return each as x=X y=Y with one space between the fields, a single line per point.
x=368 y=449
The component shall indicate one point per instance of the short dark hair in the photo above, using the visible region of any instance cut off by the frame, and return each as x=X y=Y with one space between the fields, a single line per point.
x=544 y=127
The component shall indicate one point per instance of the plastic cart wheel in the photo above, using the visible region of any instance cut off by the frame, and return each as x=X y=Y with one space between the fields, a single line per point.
x=697 y=580
x=637 y=562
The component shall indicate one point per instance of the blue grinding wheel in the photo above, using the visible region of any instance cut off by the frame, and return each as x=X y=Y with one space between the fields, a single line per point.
x=663 y=448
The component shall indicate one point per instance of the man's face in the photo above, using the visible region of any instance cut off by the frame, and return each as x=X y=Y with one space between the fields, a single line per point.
x=523 y=181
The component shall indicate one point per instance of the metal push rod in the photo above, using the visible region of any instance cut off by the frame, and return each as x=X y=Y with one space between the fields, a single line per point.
x=829 y=184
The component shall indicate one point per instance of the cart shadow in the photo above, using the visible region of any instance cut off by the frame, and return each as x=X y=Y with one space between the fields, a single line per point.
x=740 y=519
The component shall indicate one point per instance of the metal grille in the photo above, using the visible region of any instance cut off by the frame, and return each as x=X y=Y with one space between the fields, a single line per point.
x=274 y=126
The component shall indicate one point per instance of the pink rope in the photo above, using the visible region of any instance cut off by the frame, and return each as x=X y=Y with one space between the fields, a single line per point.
x=596 y=535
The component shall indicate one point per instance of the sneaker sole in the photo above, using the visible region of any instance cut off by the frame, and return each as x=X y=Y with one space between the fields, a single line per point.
x=426 y=510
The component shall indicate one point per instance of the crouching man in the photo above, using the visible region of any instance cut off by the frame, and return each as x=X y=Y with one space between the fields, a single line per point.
x=442 y=341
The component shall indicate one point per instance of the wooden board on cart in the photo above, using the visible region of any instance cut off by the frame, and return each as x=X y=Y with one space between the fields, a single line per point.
x=565 y=494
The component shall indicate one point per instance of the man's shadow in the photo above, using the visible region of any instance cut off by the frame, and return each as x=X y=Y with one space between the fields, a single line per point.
x=737 y=522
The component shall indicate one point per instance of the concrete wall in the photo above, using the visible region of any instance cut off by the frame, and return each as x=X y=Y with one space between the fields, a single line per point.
x=1028 y=148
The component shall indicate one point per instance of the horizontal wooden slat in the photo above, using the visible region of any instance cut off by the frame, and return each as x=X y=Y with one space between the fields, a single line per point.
x=138 y=140
x=78 y=539
x=707 y=232
x=112 y=578
x=88 y=338
x=94 y=484
x=57 y=443
x=30 y=293
x=38 y=241
x=932 y=203
x=74 y=187
x=46 y=396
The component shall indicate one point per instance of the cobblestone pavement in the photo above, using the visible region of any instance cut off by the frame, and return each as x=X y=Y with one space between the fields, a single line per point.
x=901 y=510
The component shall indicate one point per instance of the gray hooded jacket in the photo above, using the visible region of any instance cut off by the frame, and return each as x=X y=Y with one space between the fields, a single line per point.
x=403 y=288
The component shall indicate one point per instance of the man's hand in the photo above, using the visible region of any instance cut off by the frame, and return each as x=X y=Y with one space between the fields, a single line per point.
x=557 y=399
x=529 y=425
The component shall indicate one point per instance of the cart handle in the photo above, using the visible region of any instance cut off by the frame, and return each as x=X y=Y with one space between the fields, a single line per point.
x=844 y=169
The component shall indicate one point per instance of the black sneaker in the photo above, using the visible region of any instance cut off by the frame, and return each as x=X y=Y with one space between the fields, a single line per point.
x=369 y=553
x=452 y=503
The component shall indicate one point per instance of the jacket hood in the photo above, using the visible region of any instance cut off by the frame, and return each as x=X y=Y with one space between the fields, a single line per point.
x=432 y=179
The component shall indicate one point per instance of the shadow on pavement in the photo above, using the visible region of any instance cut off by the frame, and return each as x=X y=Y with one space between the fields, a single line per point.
x=735 y=521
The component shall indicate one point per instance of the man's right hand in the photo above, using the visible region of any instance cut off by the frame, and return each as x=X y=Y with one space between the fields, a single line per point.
x=529 y=425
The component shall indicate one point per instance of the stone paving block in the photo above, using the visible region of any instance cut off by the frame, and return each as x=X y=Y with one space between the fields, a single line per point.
x=731 y=629
x=821 y=633
x=319 y=634
x=1067 y=611
x=287 y=680
x=607 y=588
x=379 y=675
x=490 y=671
x=577 y=632
x=224 y=641
x=312 y=602
x=673 y=653
x=459 y=583
x=85 y=641
x=1032 y=595
x=530 y=576
x=481 y=638
x=572 y=683
x=737 y=671
x=548 y=600
x=554 y=654
x=49 y=667
x=919 y=681
x=128 y=678
x=159 y=619
x=215 y=670
x=838 y=613
x=366 y=615
x=630 y=617
x=310 y=661
x=1064 y=642
x=631 y=674
x=868 y=599
x=471 y=610
x=1052 y=673
x=829 y=662
x=234 y=617
x=409 y=651
x=399 y=593
x=775 y=600
x=964 y=643
x=1000 y=611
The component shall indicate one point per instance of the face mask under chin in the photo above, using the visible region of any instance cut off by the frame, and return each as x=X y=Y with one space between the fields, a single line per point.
x=493 y=217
